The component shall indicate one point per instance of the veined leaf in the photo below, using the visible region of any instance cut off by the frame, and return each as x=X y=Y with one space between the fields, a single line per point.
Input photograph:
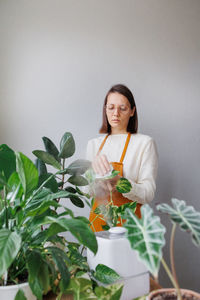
x=67 y=145
x=184 y=215
x=123 y=185
x=27 y=172
x=47 y=158
x=105 y=274
x=81 y=288
x=10 y=243
x=111 y=292
x=51 y=148
x=51 y=184
x=146 y=236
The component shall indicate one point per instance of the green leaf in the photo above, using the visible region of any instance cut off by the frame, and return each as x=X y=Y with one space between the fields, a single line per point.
x=51 y=184
x=81 y=288
x=105 y=274
x=79 y=230
x=112 y=292
x=51 y=148
x=78 y=167
x=76 y=200
x=27 y=172
x=146 y=236
x=78 y=180
x=59 y=257
x=132 y=205
x=10 y=243
x=123 y=185
x=20 y=295
x=47 y=158
x=184 y=215
x=113 y=174
x=15 y=186
x=34 y=264
x=67 y=145
x=40 y=165
x=7 y=161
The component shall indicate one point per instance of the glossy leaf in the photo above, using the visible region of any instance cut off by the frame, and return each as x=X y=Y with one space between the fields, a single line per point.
x=20 y=295
x=146 y=236
x=76 y=200
x=51 y=148
x=105 y=274
x=67 y=145
x=34 y=263
x=78 y=167
x=40 y=165
x=79 y=229
x=184 y=215
x=10 y=243
x=7 y=161
x=123 y=185
x=15 y=186
x=47 y=158
x=51 y=184
x=78 y=180
x=27 y=172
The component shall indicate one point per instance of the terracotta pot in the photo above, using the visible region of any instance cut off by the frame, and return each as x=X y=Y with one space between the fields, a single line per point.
x=191 y=294
x=8 y=292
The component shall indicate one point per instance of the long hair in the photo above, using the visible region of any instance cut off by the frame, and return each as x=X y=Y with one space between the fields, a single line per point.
x=132 y=126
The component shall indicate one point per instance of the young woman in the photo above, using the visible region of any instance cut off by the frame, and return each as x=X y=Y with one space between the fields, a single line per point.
x=133 y=154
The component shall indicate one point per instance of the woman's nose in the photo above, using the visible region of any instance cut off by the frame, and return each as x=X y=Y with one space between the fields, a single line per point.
x=116 y=111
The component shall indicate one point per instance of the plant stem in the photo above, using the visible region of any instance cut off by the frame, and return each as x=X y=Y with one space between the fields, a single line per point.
x=172 y=253
x=172 y=279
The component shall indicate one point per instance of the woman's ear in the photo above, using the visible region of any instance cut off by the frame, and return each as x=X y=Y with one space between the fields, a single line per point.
x=133 y=111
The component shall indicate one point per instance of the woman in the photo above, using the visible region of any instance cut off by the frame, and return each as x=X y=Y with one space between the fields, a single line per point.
x=134 y=155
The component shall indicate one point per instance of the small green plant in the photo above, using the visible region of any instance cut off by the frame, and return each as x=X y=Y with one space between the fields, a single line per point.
x=146 y=235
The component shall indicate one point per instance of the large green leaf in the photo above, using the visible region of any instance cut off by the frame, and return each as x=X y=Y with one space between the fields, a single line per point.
x=81 y=288
x=76 y=200
x=105 y=274
x=10 y=243
x=67 y=145
x=79 y=229
x=184 y=215
x=78 y=180
x=7 y=161
x=78 y=167
x=27 y=172
x=47 y=158
x=51 y=184
x=146 y=236
x=51 y=148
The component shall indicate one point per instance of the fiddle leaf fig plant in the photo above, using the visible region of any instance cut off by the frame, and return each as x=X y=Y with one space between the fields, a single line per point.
x=146 y=235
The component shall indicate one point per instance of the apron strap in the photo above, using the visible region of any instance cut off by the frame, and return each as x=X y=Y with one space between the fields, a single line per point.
x=125 y=147
x=102 y=144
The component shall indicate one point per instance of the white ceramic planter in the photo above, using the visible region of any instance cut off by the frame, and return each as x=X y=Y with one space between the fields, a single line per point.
x=114 y=251
x=9 y=292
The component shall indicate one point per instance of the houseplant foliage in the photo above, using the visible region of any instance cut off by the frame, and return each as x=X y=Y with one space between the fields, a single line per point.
x=146 y=235
x=28 y=201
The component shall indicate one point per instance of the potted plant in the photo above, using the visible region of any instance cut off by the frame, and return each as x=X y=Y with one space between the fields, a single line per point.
x=29 y=219
x=146 y=236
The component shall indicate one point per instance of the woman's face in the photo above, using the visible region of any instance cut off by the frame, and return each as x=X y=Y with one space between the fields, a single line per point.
x=118 y=112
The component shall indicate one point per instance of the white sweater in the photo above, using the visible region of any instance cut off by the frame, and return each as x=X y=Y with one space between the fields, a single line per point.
x=140 y=162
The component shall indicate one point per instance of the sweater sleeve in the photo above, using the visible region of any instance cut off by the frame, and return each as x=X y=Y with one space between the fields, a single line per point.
x=144 y=188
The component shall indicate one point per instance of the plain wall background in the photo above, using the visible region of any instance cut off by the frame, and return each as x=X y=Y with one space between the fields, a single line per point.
x=59 y=58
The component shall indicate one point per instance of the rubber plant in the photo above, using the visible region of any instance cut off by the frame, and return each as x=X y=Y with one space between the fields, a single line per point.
x=146 y=235
x=31 y=247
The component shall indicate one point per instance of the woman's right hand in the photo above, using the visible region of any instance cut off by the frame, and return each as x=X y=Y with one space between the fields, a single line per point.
x=101 y=165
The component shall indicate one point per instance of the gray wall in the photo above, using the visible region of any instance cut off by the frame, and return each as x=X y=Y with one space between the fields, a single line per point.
x=58 y=59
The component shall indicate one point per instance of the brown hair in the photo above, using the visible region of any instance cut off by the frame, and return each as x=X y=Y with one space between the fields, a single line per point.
x=133 y=121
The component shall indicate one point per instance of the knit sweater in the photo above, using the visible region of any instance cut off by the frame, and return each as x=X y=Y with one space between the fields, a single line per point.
x=139 y=166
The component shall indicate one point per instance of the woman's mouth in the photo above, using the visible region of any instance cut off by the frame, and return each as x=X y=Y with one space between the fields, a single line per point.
x=115 y=120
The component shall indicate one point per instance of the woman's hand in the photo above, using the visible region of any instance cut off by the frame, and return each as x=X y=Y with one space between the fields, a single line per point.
x=101 y=165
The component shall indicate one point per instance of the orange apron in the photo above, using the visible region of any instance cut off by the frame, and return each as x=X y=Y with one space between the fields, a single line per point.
x=118 y=198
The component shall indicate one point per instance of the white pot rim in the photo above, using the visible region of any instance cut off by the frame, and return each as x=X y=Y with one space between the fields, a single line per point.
x=13 y=286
